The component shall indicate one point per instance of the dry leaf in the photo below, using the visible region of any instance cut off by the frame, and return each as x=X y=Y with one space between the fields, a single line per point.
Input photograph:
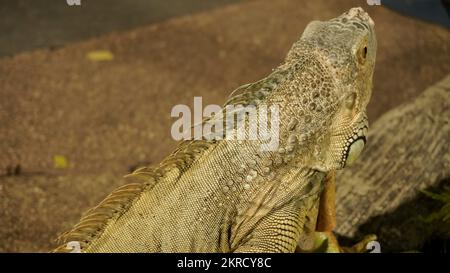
x=100 y=55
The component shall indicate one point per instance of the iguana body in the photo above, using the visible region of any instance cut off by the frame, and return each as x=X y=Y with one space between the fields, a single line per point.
x=229 y=196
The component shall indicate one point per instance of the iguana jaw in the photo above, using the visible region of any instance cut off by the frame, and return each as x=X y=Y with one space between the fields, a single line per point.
x=355 y=150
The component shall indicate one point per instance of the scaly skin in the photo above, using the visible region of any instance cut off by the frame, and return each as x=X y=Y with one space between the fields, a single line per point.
x=229 y=196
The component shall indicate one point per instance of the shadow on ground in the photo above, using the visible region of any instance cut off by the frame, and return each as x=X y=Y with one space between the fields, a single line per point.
x=404 y=229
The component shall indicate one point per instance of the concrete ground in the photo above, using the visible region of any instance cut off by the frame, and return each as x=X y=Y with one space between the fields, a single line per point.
x=26 y=25
x=70 y=127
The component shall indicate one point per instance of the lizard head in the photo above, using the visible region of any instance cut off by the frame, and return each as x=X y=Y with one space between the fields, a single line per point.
x=346 y=46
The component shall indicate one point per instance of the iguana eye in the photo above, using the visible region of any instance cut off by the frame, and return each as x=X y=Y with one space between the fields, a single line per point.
x=362 y=54
x=350 y=100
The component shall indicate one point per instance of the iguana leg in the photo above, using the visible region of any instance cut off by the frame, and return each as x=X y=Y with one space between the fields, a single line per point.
x=294 y=228
x=326 y=218
x=324 y=238
x=279 y=231
x=361 y=246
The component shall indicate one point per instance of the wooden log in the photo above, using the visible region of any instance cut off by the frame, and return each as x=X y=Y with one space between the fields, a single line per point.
x=407 y=151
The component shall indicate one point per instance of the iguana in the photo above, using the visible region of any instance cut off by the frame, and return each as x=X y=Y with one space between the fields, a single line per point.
x=229 y=196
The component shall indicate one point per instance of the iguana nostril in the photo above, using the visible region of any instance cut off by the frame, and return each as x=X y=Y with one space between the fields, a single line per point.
x=359 y=13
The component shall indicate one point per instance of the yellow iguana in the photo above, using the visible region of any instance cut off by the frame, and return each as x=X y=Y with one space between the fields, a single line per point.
x=229 y=196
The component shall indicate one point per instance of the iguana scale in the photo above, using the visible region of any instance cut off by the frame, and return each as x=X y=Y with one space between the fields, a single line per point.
x=229 y=196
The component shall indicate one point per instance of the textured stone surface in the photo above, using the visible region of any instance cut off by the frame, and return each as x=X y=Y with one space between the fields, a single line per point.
x=408 y=151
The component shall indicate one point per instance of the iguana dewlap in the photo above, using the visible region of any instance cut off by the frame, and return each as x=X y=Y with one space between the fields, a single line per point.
x=228 y=195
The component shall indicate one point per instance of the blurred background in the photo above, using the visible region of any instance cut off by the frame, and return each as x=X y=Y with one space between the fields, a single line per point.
x=86 y=91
